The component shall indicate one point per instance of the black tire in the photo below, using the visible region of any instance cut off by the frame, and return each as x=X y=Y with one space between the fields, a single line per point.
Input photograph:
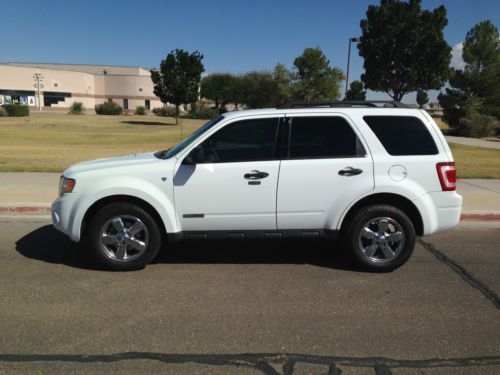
x=361 y=246
x=149 y=236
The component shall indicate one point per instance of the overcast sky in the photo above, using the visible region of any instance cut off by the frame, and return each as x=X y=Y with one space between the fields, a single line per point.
x=234 y=36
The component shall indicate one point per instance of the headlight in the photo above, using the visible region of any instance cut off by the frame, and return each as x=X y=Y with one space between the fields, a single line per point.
x=66 y=185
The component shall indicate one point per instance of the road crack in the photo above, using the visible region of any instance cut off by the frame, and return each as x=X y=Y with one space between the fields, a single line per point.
x=470 y=279
x=262 y=361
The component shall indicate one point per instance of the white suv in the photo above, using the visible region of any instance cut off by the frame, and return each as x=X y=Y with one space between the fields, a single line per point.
x=373 y=176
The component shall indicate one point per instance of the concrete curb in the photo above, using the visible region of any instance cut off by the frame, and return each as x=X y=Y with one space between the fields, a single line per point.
x=44 y=209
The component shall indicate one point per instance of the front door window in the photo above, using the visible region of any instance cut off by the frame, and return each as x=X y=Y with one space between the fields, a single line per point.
x=250 y=140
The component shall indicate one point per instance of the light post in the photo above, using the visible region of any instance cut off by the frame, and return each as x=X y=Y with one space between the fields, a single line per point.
x=38 y=77
x=351 y=40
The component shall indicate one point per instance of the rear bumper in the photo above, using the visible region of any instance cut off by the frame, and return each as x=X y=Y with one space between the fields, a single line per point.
x=440 y=211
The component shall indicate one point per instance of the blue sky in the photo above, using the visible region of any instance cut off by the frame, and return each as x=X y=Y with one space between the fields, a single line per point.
x=234 y=36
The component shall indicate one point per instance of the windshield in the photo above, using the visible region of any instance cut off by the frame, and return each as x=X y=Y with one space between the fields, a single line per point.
x=167 y=154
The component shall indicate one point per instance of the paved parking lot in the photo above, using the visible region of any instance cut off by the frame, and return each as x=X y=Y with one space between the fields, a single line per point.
x=290 y=307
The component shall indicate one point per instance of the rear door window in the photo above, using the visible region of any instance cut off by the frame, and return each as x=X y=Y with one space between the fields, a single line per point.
x=402 y=135
x=323 y=137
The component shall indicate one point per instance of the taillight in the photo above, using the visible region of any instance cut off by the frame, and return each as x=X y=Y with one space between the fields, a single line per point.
x=447 y=176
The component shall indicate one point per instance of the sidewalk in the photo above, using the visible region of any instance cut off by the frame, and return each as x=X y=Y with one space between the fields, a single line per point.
x=33 y=193
x=474 y=142
x=481 y=199
x=28 y=193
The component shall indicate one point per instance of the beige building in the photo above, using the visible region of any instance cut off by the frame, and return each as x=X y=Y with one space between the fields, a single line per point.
x=63 y=84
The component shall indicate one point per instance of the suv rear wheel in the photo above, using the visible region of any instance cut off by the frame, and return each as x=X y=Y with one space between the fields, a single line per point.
x=380 y=237
x=124 y=236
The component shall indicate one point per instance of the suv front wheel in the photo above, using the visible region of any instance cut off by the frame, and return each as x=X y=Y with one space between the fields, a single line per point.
x=124 y=236
x=380 y=237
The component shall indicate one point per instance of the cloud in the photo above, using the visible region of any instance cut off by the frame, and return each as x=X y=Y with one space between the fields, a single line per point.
x=456 y=57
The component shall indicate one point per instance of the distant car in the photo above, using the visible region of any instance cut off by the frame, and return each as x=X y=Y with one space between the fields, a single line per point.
x=374 y=176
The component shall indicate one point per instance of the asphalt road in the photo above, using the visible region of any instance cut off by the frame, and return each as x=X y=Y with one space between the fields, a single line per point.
x=294 y=307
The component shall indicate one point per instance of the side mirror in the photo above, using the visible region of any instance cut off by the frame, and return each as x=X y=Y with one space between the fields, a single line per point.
x=196 y=156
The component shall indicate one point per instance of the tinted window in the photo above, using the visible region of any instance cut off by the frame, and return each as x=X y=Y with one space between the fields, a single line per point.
x=402 y=135
x=250 y=140
x=323 y=137
x=186 y=142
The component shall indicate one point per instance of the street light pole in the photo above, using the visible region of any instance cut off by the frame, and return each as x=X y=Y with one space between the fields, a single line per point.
x=38 y=85
x=355 y=40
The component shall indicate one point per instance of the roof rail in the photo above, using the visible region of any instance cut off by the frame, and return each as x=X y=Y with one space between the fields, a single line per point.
x=342 y=103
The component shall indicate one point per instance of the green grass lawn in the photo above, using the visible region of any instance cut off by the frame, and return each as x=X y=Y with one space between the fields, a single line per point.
x=476 y=162
x=52 y=142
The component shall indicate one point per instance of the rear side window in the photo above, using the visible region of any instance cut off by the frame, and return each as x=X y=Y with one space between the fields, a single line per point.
x=323 y=137
x=402 y=135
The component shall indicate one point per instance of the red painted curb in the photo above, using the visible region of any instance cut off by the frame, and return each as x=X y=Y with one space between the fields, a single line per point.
x=482 y=217
x=24 y=210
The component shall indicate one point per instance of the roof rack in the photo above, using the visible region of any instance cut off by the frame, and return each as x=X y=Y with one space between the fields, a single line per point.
x=342 y=103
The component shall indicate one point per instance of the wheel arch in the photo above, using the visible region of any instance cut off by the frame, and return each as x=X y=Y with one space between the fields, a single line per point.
x=97 y=205
x=395 y=200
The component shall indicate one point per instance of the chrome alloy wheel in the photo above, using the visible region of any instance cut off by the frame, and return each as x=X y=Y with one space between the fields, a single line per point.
x=124 y=238
x=381 y=240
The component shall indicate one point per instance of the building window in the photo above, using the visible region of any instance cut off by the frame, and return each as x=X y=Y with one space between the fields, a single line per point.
x=125 y=103
x=140 y=89
x=50 y=98
x=148 y=104
x=17 y=97
x=56 y=84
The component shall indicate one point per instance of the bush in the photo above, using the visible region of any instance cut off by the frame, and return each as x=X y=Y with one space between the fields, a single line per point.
x=478 y=126
x=16 y=110
x=108 y=108
x=77 y=108
x=474 y=123
x=202 y=112
x=164 y=111
x=2 y=112
x=141 y=110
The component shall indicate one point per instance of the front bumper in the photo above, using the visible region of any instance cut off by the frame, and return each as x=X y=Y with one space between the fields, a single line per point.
x=67 y=214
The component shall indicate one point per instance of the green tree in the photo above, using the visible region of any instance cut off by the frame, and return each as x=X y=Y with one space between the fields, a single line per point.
x=356 y=91
x=455 y=98
x=422 y=98
x=403 y=47
x=236 y=90
x=481 y=53
x=217 y=87
x=315 y=78
x=283 y=79
x=259 y=90
x=477 y=86
x=178 y=79
x=481 y=47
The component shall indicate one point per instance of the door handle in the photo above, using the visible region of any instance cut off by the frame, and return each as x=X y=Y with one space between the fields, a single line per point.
x=255 y=175
x=350 y=171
